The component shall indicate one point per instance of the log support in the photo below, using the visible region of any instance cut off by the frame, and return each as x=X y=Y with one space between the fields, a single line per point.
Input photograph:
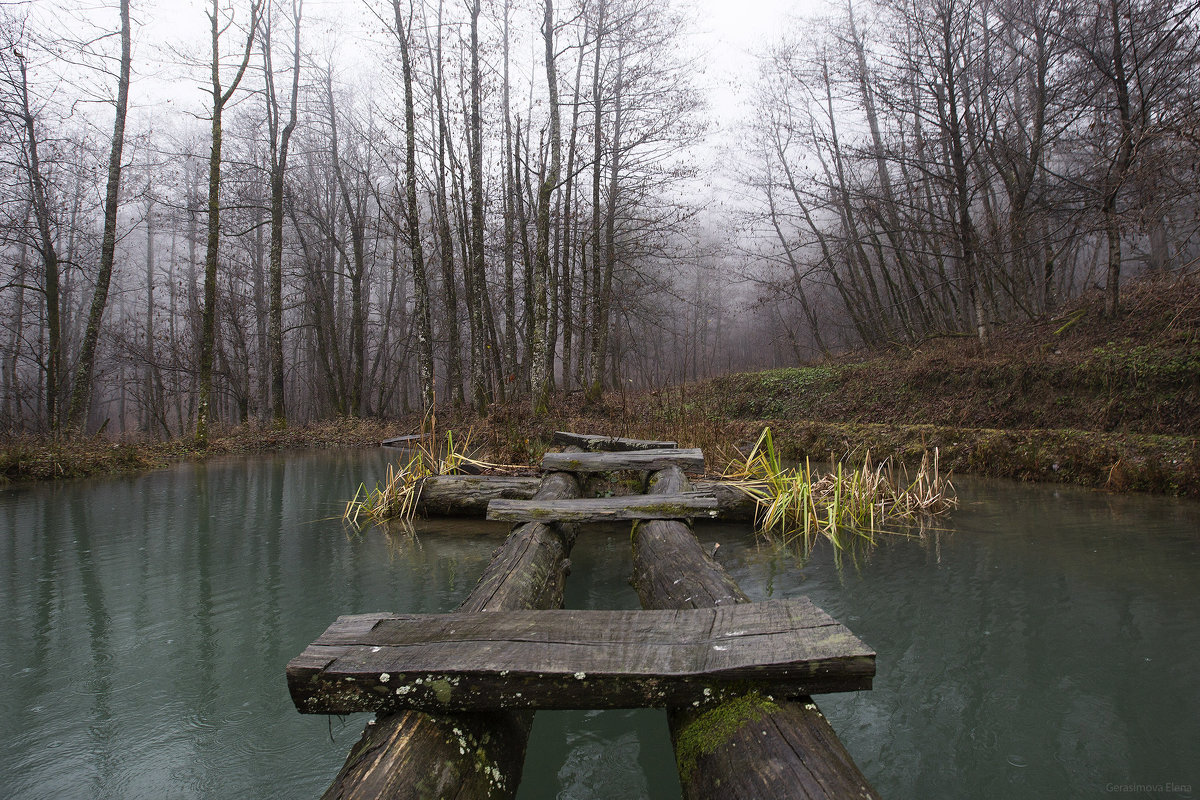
x=754 y=745
x=469 y=495
x=411 y=754
x=750 y=745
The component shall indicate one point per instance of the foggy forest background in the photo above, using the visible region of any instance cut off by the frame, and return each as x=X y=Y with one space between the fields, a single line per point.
x=495 y=201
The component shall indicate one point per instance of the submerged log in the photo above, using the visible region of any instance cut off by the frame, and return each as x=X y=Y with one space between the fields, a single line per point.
x=592 y=442
x=412 y=754
x=751 y=746
x=577 y=659
x=469 y=495
x=684 y=505
x=691 y=459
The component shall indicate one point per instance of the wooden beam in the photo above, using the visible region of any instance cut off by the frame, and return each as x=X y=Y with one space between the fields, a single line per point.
x=402 y=441
x=692 y=459
x=594 y=443
x=733 y=504
x=766 y=748
x=577 y=659
x=469 y=495
x=684 y=505
x=411 y=755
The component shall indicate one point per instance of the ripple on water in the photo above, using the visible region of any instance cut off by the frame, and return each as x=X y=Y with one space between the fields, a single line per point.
x=597 y=767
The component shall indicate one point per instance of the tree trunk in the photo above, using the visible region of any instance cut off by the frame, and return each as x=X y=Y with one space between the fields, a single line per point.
x=539 y=380
x=220 y=98
x=279 y=159
x=475 y=141
x=50 y=266
x=412 y=215
x=81 y=396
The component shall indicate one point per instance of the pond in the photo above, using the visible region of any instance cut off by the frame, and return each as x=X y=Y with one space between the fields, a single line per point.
x=1045 y=643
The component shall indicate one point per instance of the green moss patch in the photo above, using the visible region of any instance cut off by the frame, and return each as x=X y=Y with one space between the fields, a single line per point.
x=715 y=727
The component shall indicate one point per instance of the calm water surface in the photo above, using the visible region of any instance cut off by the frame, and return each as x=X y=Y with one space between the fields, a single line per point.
x=1045 y=645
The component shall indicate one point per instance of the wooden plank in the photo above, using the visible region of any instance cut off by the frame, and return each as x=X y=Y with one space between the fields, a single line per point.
x=595 y=443
x=577 y=659
x=684 y=505
x=411 y=755
x=782 y=750
x=402 y=441
x=733 y=503
x=469 y=495
x=692 y=459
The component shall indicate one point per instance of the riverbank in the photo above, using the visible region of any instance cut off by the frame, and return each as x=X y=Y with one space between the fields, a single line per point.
x=37 y=458
x=1075 y=398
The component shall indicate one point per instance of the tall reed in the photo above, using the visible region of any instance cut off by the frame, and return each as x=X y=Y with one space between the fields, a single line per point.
x=397 y=495
x=844 y=505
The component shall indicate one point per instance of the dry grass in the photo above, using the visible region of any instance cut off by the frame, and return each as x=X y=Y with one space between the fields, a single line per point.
x=397 y=495
x=801 y=504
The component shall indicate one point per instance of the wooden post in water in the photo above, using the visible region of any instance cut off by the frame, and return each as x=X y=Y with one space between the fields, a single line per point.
x=751 y=746
x=411 y=754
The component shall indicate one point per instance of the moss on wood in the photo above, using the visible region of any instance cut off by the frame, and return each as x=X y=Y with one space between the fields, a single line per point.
x=712 y=729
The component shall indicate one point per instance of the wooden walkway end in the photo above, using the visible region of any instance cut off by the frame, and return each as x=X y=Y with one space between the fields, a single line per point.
x=577 y=659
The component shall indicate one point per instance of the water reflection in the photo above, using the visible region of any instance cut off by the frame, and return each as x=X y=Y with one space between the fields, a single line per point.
x=147 y=623
x=1044 y=645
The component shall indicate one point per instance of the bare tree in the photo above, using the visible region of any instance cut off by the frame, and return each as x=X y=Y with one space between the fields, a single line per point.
x=220 y=98
x=82 y=393
x=279 y=140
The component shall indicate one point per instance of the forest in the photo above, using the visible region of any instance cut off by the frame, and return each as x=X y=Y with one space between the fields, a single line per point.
x=283 y=212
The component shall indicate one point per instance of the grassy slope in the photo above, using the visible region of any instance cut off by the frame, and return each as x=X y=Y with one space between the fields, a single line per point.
x=1078 y=398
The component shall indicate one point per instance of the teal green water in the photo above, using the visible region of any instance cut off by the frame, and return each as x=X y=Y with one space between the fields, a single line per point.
x=1046 y=645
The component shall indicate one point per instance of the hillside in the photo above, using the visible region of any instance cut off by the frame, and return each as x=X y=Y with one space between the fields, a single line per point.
x=1139 y=373
x=1078 y=397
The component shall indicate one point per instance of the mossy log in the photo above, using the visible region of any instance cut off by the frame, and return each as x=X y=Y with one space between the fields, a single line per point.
x=752 y=746
x=469 y=495
x=403 y=442
x=411 y=754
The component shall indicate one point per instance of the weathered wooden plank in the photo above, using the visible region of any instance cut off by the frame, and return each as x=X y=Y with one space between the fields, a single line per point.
x=412 y=755
x=469 y=495
x=751 y=746
x=577 y=659
x=402 y=441
x=691 y=459
x=684 y=505
x=595 y=443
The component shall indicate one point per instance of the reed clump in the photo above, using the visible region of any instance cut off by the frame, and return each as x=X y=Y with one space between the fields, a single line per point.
x=845 y=505
x=397 y=495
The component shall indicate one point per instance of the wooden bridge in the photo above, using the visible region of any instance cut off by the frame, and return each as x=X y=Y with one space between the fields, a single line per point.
x=455 y=693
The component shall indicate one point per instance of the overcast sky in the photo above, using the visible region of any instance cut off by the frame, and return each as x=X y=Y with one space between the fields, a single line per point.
x=729 y=32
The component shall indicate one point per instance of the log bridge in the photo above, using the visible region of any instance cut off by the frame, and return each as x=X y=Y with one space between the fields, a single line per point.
x=455 y=693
